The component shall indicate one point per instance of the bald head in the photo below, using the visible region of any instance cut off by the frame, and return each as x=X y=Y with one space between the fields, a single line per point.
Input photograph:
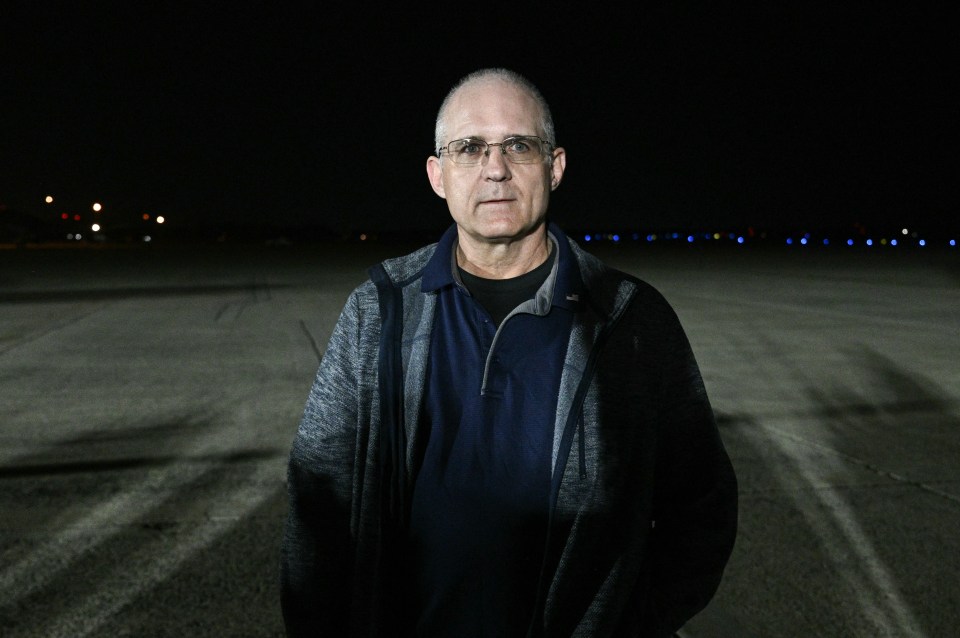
x=506 y=76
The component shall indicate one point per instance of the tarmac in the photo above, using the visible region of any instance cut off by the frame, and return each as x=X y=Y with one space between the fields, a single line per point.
x=149 y=395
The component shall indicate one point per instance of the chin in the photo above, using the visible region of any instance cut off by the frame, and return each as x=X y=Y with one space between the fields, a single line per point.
x=506 y=230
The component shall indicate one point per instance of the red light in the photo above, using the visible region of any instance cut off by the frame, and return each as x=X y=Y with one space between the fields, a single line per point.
x=64 y=216
x=76 y=218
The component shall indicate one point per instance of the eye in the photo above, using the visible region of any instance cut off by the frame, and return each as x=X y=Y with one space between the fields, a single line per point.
x=468 y=147
x=519 y=146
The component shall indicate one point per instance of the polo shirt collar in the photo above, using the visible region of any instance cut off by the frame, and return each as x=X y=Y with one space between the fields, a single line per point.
x=567 y=288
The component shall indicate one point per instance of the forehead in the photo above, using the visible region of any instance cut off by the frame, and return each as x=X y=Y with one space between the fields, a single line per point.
x=492 y=108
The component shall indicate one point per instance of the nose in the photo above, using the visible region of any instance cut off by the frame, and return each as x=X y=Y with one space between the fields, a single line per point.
x=496 y=168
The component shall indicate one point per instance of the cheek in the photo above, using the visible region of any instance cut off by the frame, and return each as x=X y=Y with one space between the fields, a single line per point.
x=540 y=194
x=458 y=190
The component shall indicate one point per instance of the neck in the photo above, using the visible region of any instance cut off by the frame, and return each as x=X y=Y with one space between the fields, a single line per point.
x=503 y=260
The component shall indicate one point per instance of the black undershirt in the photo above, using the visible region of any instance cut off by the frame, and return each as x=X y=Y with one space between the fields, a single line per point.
x=500 y=296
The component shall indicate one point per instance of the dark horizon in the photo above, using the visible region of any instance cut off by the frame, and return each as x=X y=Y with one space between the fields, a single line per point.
x=779 y=118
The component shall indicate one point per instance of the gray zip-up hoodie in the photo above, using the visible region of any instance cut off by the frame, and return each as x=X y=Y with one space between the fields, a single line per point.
x=644 y=502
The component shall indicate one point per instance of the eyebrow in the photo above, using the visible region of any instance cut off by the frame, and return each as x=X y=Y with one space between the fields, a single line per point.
x=482 y=138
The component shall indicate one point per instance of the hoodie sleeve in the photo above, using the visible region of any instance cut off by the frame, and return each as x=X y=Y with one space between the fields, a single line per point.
x=316 y=565
x=695 y=502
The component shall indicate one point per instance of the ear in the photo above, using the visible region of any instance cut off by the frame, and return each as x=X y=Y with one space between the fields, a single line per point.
x=557 y=167
x=435 y=173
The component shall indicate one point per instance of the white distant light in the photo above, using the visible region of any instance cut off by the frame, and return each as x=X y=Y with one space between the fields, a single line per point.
x=70 y=236
x=161 y=219
x=905 y=231
x=97 y=207
x=147 y=238
x=95 y=228
x=48 y=199
x=78 y=236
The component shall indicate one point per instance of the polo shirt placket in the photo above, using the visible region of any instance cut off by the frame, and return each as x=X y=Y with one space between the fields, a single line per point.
x=481 y=496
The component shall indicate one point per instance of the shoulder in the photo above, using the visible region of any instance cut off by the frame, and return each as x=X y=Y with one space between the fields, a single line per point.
x=611 y=289
x=396 y=272
x=401 y=271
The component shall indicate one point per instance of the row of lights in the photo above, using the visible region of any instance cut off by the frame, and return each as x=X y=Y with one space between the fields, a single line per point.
x=804 y=240
x=97 y=207
x=652 y=237
x=909 y=236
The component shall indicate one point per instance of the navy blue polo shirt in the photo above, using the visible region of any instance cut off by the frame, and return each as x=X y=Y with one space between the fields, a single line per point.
x=480 y=501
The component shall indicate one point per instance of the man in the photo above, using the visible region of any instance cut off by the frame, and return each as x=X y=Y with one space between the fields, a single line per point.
x=505 y=437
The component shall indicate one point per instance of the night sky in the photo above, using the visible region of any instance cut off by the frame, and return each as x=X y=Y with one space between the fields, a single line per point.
x=289 y=113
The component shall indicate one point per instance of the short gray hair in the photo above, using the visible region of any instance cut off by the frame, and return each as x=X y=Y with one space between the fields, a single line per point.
x=508 y=76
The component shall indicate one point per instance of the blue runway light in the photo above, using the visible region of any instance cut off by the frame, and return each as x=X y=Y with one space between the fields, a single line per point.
x=739 y=240
x=849 y=242
x=586 y=238
x=789 y=241
x=953 y=242
x=893 y=242
x=923 y=242
x=616 y=238
x=826 y=242
x=869 y=242
x=690 y=239
x=804 y=241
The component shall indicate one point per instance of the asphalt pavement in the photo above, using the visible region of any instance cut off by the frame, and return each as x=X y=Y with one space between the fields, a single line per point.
x=148 y=398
